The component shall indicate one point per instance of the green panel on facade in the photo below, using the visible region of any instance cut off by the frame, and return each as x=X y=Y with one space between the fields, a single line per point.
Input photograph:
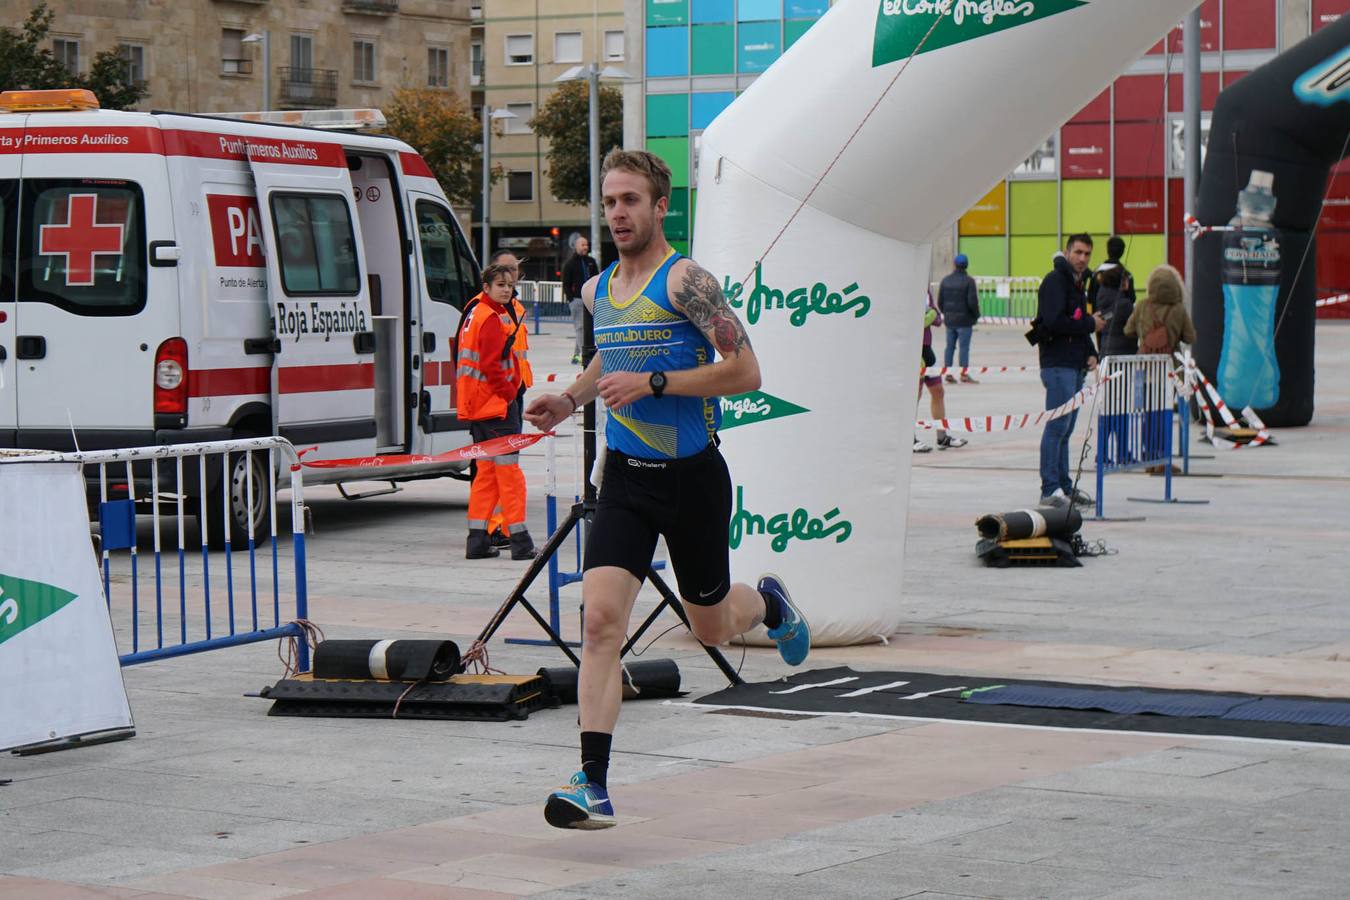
x=1032 y=256
x=681 y=247
x=667 y=12
x=677 y=218
x=675 y=151
x=712 y=49
x=667 y=115
x=987 y=256
x=1087 y=207
x=1143 y=254
x=793 y=29
x=1033 y=207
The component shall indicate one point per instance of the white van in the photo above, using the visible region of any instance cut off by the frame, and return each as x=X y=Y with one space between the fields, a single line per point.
x=171 y=278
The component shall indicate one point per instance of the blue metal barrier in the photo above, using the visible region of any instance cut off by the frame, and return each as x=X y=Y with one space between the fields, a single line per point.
x=155 y=482
x=1134 y=426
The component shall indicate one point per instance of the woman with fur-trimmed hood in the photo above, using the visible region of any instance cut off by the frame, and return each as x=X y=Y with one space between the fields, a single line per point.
x=1160 y=320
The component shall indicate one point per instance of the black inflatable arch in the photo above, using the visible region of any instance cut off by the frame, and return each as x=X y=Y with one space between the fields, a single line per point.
x=1287 y=119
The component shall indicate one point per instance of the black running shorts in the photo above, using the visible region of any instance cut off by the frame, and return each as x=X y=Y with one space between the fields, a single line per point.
x=687 y=501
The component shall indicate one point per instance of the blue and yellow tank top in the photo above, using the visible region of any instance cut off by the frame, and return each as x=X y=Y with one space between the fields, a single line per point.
x=644 y=333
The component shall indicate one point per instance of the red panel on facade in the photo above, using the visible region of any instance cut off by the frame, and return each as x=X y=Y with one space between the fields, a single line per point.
x=1336 y=209
x=1139 y=98
x=1141 y=149
x=1176 y=255
x=1139 y=206
x=1230 y=77
x=1087 y=151
x=1324 y=12
x=1333 y=263
x=1176 y=204
x=1099 y=110
x=1249 y=24
x=1209 y=31
x=1209 y=91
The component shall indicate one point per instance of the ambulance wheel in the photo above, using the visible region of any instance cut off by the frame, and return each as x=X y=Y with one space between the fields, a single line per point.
x=239 y=509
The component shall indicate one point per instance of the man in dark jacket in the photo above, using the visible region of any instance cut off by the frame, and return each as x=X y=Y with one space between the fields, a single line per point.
x=959 y=302
x=579 y=269
x=1067 y=352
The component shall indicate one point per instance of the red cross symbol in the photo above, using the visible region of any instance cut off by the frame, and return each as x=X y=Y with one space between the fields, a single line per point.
x=80 y=239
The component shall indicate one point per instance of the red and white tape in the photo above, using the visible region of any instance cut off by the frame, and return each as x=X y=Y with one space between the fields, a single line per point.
x=1013 y=423
x=1194 y=229
x=975 y=370
x=1198 y=385
x=1334 y=301
x=501 y=446
x=1004 y=320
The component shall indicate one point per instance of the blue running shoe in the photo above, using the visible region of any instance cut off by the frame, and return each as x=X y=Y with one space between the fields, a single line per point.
x=579 y=805
x=793 y=636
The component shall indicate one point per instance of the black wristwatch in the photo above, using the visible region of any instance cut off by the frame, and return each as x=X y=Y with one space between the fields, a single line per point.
x=658 y=384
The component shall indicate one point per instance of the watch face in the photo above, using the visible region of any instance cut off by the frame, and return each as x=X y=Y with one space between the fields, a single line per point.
x=658 y=382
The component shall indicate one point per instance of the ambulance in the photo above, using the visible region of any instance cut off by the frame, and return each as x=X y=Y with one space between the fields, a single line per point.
x=170 y=278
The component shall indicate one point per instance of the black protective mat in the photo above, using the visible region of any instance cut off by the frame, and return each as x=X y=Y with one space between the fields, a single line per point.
x=843 y=691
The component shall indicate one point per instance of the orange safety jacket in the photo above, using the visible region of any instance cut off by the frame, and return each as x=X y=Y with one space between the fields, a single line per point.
x=487 y=378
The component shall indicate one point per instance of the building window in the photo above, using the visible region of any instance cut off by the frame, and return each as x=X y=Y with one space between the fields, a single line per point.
x=1177 y=158
x=523 y=113
x=613 y=46
x=519 y=186
x=520 y=49
x=567 y=47
x=233 y=59
x=363 y=60
x=134 y=57
x=1044 y=163
x=475 y=64
x=438 y=67
x=67 y=53
x=302 y=52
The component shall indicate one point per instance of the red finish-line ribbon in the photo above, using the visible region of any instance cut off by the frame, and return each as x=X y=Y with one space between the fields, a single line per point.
x=1014 y=422
x=501 y=446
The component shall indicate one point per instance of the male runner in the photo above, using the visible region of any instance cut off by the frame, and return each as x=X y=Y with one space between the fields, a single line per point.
x=658 y=317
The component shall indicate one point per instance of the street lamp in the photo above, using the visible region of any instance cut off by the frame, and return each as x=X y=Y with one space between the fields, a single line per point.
x=264 y=38
x=592 y=73
x=488 y=115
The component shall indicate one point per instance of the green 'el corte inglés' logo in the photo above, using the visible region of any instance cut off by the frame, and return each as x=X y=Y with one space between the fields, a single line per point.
x=817 y=299
x=748 y=409
x=797 y=525
x=24 y=603
x=902 y=24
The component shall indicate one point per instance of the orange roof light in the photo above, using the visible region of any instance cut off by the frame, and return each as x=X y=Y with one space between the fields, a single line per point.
x=47 y=101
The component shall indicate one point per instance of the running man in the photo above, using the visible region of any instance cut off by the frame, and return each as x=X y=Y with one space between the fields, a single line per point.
x=658 y=318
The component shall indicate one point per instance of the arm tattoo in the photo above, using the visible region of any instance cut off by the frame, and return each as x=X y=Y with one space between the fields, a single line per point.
x=703 y=303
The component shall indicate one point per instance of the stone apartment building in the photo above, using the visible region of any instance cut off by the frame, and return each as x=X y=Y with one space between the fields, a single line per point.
x=197 y=56
x=518 y=48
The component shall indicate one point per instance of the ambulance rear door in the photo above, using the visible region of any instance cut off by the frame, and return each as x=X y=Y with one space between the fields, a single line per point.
x=323 y=376
x=97 y=288
x=11 y=139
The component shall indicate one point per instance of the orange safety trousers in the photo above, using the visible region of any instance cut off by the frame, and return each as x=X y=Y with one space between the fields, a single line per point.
x=498 y=480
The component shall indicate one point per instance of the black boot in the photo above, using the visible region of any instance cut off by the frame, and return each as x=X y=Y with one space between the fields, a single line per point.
x=522 y=545
x=479 y=546
x=500 y=539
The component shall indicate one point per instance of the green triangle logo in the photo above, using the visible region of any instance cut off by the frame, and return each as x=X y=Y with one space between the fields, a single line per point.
x=755 y=407
x=24 y=603
x=902 y=24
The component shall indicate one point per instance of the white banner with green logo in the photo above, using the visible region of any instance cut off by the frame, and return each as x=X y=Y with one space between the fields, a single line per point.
x=820 y=455
x=58 y=660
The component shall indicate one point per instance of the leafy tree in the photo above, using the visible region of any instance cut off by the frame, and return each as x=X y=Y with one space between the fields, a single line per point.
x=26 y=63
x=563 y=119
x=443 y=129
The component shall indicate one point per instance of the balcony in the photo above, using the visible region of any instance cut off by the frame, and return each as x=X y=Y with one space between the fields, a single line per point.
x=236 y=66
x=475 y=72
x=370 y=7
x=308 y=88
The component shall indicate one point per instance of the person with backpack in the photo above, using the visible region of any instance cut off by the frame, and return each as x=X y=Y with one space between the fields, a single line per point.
x=1160 y=320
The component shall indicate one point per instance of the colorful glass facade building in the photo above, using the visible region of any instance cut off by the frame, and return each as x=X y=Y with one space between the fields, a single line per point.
x=1115 y=167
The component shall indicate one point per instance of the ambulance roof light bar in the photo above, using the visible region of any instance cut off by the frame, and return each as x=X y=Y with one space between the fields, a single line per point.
x=327 y=119
x=48 y=101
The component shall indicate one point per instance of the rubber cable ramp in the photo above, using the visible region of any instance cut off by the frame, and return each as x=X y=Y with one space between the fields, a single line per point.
x=1047 y=704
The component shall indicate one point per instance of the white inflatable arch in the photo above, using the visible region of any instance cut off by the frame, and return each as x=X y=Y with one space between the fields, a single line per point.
x=819 y=192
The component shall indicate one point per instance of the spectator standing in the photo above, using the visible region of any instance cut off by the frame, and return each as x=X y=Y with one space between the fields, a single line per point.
x=1064 y=331
x=1160 y=321
x=580 y=268
x=936 y=393
x=1115 y=307
x=959 y=303
x=1115 y=254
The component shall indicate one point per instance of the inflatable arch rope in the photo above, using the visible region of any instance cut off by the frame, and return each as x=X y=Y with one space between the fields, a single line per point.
x=821 y=473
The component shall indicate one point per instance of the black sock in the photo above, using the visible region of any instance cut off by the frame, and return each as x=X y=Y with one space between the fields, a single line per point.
x=773 y=610
x=595 y=756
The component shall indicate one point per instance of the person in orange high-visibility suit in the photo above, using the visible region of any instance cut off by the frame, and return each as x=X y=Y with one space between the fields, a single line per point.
x=488 y=386
x=497 y=530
